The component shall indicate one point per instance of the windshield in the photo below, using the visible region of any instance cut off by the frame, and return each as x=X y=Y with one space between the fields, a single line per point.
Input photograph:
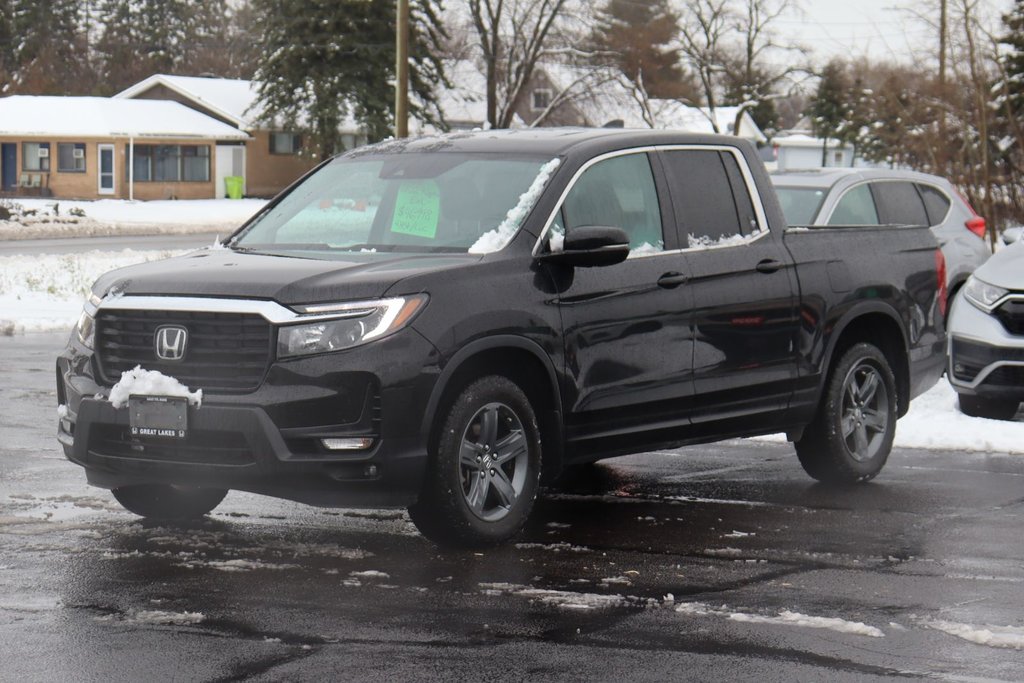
x=418 y=203
x=800 y=204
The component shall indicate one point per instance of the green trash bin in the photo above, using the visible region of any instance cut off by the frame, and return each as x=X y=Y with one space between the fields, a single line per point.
x=233 y=186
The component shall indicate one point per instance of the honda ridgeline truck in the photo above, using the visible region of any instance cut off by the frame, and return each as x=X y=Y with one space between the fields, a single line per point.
x=444 y=323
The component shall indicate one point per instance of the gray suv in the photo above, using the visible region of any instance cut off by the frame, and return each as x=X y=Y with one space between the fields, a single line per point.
x=870 y=196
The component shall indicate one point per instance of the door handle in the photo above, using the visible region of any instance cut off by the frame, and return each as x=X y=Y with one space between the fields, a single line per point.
x=768 y=265
x=671 y=280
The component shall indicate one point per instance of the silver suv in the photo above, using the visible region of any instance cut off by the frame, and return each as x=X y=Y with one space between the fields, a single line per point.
x=870 y=196
x=986 y=336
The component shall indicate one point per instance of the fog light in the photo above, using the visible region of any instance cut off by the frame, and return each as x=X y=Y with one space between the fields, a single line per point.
x=370 y=471
x=353 y=444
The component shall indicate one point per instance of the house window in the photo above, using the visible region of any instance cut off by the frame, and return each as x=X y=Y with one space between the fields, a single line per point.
x=35 y=156
x=285 y=143
x=71 y=157
x=172 y=163
x=838 y=157
x=541 y=99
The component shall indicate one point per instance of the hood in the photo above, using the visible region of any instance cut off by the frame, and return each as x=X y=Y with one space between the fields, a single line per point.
x=287 y=280
x=1005 y=268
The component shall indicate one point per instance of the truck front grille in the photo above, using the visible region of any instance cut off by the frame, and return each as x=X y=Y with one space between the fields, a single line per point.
x=224 y=351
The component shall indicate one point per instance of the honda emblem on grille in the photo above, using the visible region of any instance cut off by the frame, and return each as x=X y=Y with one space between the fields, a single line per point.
x=170 y=342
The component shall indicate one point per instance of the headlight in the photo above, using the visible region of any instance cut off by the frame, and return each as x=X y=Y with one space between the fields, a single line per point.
x=982 y=294
x=86 y=326
x=350 y=324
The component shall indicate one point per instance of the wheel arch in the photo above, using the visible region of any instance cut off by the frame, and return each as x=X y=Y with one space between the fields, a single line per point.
x=879 y=325
x=523 y=361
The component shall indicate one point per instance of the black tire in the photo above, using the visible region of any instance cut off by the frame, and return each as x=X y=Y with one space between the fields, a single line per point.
x=991 y=408
x=484 y=470
x=852 y=434
x=164 y=501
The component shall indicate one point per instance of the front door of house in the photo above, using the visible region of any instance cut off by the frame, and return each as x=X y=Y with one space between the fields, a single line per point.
x=106 y=168
x=9 y=165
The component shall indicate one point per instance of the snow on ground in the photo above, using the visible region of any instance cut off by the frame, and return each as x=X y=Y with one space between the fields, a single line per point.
x=55 y=218
x=45 y=292
x=784 y=618
x=935 y=423
x=1010 y=637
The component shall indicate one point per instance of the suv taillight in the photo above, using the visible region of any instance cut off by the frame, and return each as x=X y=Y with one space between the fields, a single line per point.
x=976 y=225
x=940 y=275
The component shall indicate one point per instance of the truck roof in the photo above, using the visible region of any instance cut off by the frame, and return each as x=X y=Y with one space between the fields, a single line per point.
x=555 y=141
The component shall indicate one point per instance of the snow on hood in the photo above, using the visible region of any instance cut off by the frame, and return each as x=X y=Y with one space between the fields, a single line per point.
x=1005 y=268
x=150 y=383
x=497 y=239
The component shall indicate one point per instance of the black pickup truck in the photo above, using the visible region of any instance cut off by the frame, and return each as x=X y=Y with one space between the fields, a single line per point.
x=445 y=323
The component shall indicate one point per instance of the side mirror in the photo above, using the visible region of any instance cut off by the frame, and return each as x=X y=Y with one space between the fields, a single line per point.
x=1011 y=235
x=590 y=246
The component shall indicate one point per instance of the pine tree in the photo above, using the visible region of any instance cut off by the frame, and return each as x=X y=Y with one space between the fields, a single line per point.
x=327 y=59
x=1013 y=61
x=7 y=60
x=829 y=109
x=49 y=53
x=638 y=37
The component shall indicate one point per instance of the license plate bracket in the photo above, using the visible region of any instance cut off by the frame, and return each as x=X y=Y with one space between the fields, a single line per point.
x=158 y=417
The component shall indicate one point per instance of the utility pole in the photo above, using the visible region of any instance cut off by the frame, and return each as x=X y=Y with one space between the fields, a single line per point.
x=943 y=31
x=402 y=70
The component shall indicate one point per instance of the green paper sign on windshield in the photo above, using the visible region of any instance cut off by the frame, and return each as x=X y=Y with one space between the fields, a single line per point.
x=417 y=208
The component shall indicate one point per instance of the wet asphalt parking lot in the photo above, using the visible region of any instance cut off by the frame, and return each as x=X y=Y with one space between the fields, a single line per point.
x=723 y=562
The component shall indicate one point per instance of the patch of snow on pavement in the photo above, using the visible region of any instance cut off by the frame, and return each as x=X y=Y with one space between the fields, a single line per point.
x=158 y=617
x=1006 y=637
x=150 y=383
x=370 y=574
x=560 y=599
x=935 y=423
x=796 y=619
x=784 y=618
x=236 y=565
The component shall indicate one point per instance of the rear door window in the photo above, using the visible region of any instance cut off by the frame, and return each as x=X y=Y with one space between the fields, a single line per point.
x=856 y=207
x=711 y=202
x=936 y=203
x=899 y=203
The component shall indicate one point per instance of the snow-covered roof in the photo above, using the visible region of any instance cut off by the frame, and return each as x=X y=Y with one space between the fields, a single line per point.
x=801 y=140
x=27 y=115
x=232 y=99
x=227 y=97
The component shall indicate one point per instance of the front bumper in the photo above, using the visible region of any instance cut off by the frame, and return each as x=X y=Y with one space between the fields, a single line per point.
x=268 y=441
x=984 y=358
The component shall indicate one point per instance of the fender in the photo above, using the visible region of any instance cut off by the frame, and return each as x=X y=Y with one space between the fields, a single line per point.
x=857 y=311
x=500 y=341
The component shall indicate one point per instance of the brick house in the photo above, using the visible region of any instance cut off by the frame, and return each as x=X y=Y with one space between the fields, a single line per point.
x=95 y=147
x=271 y=158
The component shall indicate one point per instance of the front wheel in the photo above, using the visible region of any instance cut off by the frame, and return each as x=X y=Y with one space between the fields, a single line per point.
x=852 y=434
x=164 y=501
x=991 y=408
x=485 y=469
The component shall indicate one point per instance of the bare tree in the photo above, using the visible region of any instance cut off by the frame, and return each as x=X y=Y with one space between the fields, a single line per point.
x=513 y=37
x=703 y=33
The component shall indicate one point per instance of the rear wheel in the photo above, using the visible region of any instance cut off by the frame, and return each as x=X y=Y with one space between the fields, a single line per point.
x=992 y=408
x=485 y=468
x=164 y=501
x=852 y=434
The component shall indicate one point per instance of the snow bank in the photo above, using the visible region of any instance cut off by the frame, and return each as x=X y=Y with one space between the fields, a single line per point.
x=496 y=239
x=45 y=292
x=157 y=617
x=150 y=383
x=935 y=423
x=1008 y=637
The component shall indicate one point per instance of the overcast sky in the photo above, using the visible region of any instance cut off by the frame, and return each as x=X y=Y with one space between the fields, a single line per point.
x=878 y=28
